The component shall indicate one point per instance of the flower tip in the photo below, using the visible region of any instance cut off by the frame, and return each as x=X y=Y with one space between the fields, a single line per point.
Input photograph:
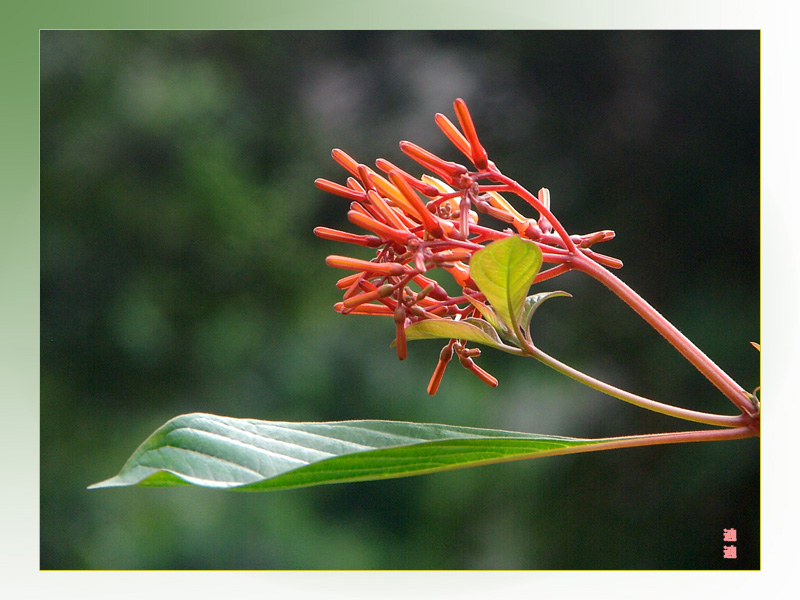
x=544 y=197
x=346 y=161
x=478 y=154
x=449 y=170
x=444 y=357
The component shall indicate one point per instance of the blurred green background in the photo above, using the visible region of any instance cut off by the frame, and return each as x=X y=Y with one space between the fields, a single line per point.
x=179 y=273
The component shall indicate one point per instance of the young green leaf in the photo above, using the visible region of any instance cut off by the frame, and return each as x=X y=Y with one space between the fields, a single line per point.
x=473 y=330
x=246 y=454
x=503 y=271
x=488 y=314
x=533 y=302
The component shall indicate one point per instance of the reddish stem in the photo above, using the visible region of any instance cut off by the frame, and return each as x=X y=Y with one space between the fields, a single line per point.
x=520 y=191
x=657 y=439
x=721 y=380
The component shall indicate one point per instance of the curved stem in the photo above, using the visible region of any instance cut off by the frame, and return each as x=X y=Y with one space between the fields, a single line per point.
x=723 y=382
x=640 y=401
x=638 y=441
x=520 y=191
x=656 y=439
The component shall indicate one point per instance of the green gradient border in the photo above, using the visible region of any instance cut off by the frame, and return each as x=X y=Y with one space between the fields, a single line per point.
x=19 y=266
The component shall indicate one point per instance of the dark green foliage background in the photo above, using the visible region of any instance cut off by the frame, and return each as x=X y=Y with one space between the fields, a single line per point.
x=179 y=274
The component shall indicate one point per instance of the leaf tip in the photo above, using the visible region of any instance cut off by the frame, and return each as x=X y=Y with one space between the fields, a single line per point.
x=106 y=483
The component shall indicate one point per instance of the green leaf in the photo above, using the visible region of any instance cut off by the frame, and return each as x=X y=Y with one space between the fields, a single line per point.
x=246 y=454
x=488 y=314
x=533 y=302
x=503 y=271
x=473 y=330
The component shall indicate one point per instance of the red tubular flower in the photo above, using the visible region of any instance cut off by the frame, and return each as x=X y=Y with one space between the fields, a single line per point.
x=450 y=171
x=444 y=358
x=453 y=134
x=382 y=230
x=339 y=190
x=364 y=309
x=437 y=291
x=389 y=216
x=347 y=282
x=380 y=292
x=353 y=183
x=429 y=222
x=420 y=224
x=344 y=159
x=335 y=235
x=424 y=188
x=363 y=174
x=393 y=194
x=450 y=256
x=485 y=377
x=478 y=153
x=355 y=264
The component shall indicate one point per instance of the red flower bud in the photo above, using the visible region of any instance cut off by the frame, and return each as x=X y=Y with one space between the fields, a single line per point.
x=339 y=190
x=424 y=188
x=450 y=171
x=429 y=222
x=453 y=134
x=444 y=357
x=478 y=153
x=356 y=264
x=385 y=232
x=335 y=235
x=344 y=159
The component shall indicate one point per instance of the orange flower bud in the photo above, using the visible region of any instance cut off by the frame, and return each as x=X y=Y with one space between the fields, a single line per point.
x=379 y=292
x=456 y=255
x=437 y=291
x=344 y=159
x=453 y=134
x=469 y=364
x=388 y=214
x=460 y=273
x=385 y=232
x=356 y=264
x=424 y=188
x=335 y=235
x=364 y=309
x=429 y=222
x=364 y=173
x=339 y=190
x=478 y=153
x=355 y=184
x=449 y=170
x=444 y=357
x=391 y=193
x=346 y=282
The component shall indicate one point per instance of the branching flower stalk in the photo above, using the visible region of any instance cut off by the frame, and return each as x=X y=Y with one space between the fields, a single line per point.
x=417 y=225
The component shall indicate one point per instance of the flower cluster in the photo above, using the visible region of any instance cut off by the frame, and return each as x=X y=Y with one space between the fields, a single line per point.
x=416 y=225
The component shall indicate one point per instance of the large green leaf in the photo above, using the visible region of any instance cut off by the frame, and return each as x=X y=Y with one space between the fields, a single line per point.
x=247 y=454
x=503 y=271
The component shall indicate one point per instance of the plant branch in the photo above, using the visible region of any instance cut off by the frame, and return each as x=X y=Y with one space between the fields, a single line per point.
x=721 y=380
x=520 y=191
x=640 y=401
x=657 y=439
